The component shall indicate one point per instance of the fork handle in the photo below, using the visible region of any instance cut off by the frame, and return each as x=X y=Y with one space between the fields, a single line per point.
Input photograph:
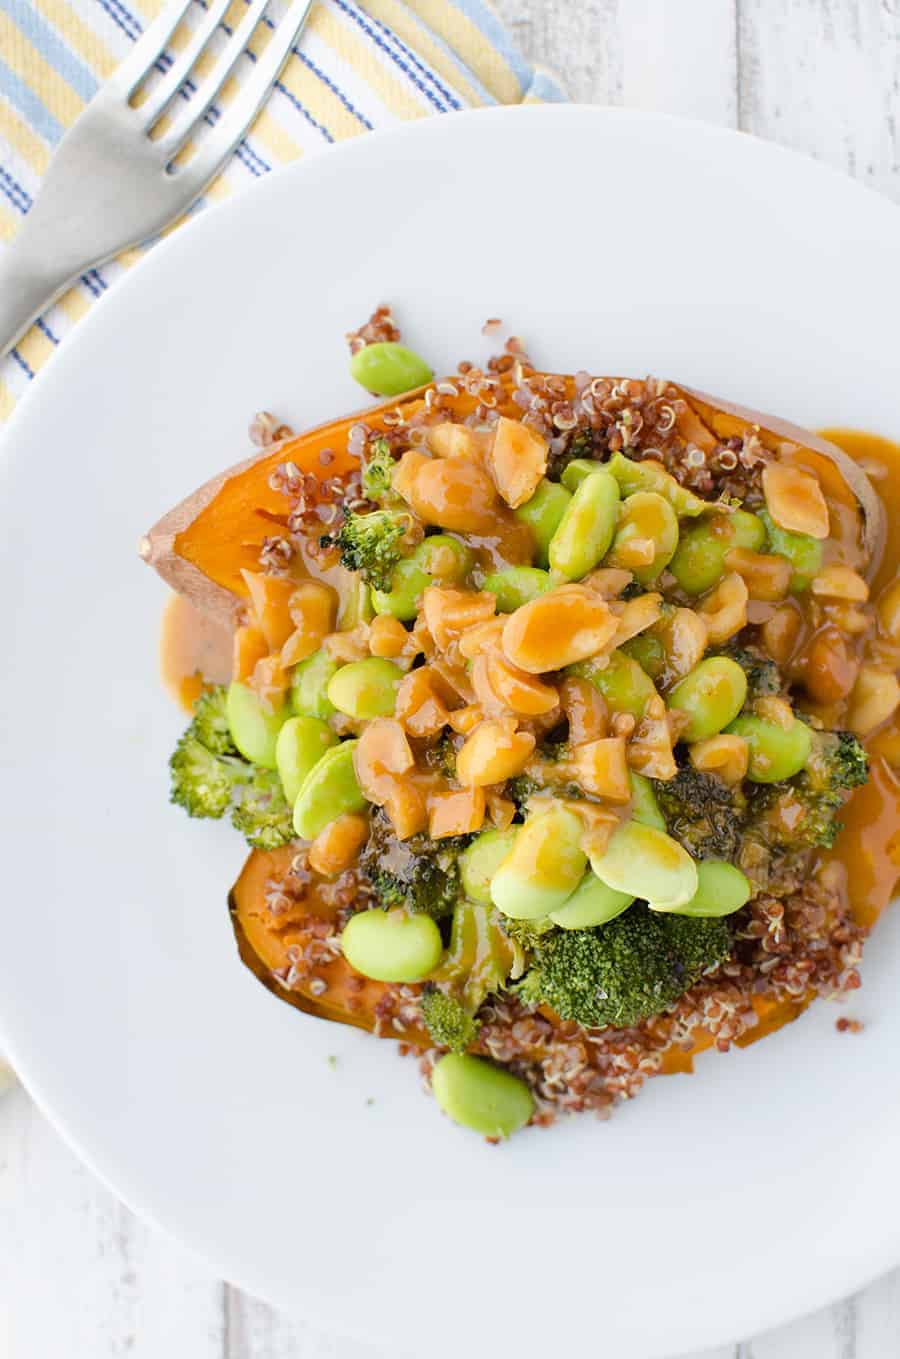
x=29 y=283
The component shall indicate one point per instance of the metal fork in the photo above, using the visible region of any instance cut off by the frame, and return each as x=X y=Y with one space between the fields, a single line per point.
x=109 y=185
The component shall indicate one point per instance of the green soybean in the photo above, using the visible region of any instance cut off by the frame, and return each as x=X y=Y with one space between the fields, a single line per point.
x=722 y=889
x=624 y=685
x=365 y=689
x=587 y=527
x=803 y=553
x=649 y=651
x=301 y=743
x=440 y=559
x=480 y=1096
x=592 y=903
x=644 y=806
x=776 y=753
x=699 y=562
x=543 y=514
x=389 y=369
x=254 y=727
x=576 y=471
x=711 y=696
x=645 y=515
x=517 y=585
x=543 y=868
x=645 y=862
x=652 y=476
x=329 y=790
x=309 y=686
x=480 y=861
x=392 y=946
x=356 y=605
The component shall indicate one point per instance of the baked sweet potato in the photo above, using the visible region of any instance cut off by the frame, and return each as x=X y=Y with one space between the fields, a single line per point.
x=201 y=546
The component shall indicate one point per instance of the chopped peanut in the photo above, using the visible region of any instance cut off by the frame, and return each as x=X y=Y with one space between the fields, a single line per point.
x=458 y=812
x=383 y=750
x=775 y=710
x=724 y=610
x=249 y=647
x=781 y=632
x=794 y=499
x=765 y=576
x=450 y=613
x=312 y=609
x=337 y=845
x=453 y=493
x=447 y=440
x=840 y=582
x=271 y=682
x=464 y=720
x=387 y=636
x=492 y=754
x=650 y=749
x=500 y=810
x=406 y=469
x=341 y=646
x=889 y=611
x=727 y=756
x=498 y=684
x=406 y=805
x=875 y=698
x=481 y=638
x=831 y=668
x=601 y=768
x=270 y=597
x=608 y=581
x=420 y=707
x=585 y=710
x=516 y=459
x=563 y=626
x=686 y=641
x=637 y=614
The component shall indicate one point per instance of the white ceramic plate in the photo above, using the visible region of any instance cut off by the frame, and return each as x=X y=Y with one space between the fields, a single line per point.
x=714 y=1206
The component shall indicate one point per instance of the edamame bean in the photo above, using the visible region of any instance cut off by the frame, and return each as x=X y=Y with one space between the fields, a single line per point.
x=254 y=728
x=365 y=689
x=649 y=652
x=776 y=753
x=438 y=560
x=480 y=861
x=699 y=562
x=543 y=868
x=711 y=696
x=592 y=903
x=481 y=1096
x=624 y=685
x=644 y=807
x=356 y=605
x=543 y=514
x=309 y=686
x=646 y=516
x=301 y=743
x=803 y=553
x=576 y=471
x=329 y=790
x=652 y=476
x=587 y=527
x=516 y=586
x=389 y=369
x=647 y=863
x=392 y=946
x=722 y=889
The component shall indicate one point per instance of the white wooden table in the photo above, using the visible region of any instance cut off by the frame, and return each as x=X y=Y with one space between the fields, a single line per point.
x=80 y=1277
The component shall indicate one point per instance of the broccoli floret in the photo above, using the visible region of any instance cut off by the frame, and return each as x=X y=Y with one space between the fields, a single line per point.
x=420 y=874
x=211 y=721
x=203 y=782
x=263 y=814
x=447 y=1020
x=372 y=544
x=205 y=768
x=622 y=973
x=378 y=469
x=702 y=813
x=802 y=813
x=763 y=675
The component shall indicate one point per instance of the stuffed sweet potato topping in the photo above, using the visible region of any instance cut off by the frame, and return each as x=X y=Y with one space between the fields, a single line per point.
x=548 y=699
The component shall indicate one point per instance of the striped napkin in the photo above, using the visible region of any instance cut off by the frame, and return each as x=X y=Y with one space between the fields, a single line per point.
x=358 y=67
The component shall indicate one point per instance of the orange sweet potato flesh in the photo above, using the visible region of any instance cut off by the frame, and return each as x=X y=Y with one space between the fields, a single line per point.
x=263 y=947
x=201 y=547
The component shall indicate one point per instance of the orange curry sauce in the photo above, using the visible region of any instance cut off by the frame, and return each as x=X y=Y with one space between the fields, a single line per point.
x=196 y=651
